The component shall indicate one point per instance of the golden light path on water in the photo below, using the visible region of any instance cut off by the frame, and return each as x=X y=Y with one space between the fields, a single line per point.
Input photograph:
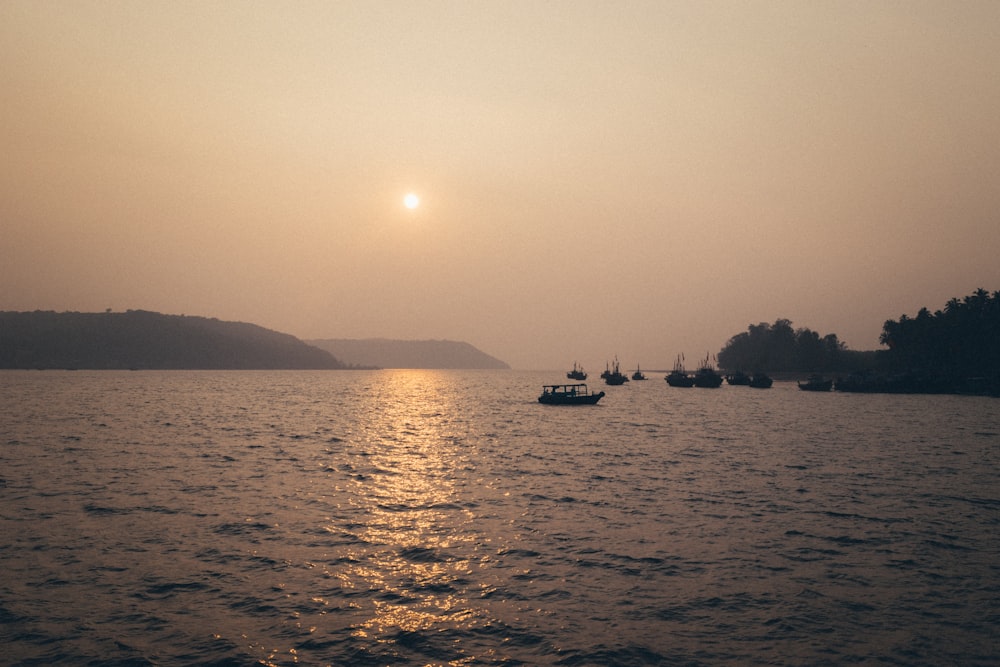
x=419 y=533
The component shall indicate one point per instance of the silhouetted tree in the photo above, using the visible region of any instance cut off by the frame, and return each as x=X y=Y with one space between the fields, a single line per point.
x=960 y=341
x=780 y=348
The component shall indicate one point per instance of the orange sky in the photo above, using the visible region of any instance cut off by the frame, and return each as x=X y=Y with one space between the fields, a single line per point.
x=639 y=179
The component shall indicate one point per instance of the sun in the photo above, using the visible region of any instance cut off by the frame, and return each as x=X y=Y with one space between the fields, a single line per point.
x=411 y=201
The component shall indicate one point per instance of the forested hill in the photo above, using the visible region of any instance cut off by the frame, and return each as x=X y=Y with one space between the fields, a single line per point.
x=146 y=340
x=387 y=353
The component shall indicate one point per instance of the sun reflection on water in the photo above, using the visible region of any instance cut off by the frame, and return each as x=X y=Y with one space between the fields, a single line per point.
x=419 y=558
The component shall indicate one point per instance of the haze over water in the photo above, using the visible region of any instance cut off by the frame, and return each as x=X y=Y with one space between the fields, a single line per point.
x=422 y=517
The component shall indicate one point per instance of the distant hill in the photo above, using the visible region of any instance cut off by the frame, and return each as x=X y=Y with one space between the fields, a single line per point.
x=386 y=353
x=147 y=340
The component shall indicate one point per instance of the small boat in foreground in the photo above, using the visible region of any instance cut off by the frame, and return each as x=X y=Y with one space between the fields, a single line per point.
x=568 y=394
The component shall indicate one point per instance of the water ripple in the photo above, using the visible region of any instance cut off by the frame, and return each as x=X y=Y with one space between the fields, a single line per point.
x=397 y=517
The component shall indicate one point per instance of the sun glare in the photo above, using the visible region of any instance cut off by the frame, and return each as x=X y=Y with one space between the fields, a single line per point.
x=411 y=201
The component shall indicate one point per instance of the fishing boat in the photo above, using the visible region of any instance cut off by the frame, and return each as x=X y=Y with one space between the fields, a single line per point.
x=816 y=383
x=678 y=377
x=577 y=373
x=706 y=376
x=738 y=378
x=568 y=394
x=760 y=381
x=638 y=375
x=613 y=375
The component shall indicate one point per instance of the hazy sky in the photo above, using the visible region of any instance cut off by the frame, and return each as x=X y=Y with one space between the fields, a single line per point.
x=596 y=178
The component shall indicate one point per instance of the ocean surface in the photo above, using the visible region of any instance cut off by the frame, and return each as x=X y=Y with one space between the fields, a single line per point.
x=447 y=518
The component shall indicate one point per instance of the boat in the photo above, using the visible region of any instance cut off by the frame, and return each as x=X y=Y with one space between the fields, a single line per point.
x=761 y=381
x=678 y=377
x=816 y=383
x=706 y=376
x=906 y=382
x=738 y=378
x=613 y=375
x=577 y=373
x=638 y=374
x=568 y=394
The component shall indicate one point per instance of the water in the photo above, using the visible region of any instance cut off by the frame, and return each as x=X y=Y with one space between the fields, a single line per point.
x=417 y=517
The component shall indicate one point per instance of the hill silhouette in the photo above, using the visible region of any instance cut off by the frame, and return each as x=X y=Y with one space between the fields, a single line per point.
x=387 y=353
x=147 y=340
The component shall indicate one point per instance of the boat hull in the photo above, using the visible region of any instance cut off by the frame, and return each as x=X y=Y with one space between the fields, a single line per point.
x=589 y=399
x=680 y=380
x=738 y=379
x=816 y=384
x=707 y=380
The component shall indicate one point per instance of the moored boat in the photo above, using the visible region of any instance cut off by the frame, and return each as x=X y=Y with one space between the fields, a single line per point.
x=738 y=378
x=816 y=383
x=638 y=375
x=613 y=375
x=706 y=376
x=909 y=382
x=577 y=373
x=568 y=394
x=678 y=377
x=761 y=381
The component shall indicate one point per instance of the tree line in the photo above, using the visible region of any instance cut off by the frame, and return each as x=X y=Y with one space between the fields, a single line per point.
x=960 y=340
x=776 y=348
x=951 y=345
